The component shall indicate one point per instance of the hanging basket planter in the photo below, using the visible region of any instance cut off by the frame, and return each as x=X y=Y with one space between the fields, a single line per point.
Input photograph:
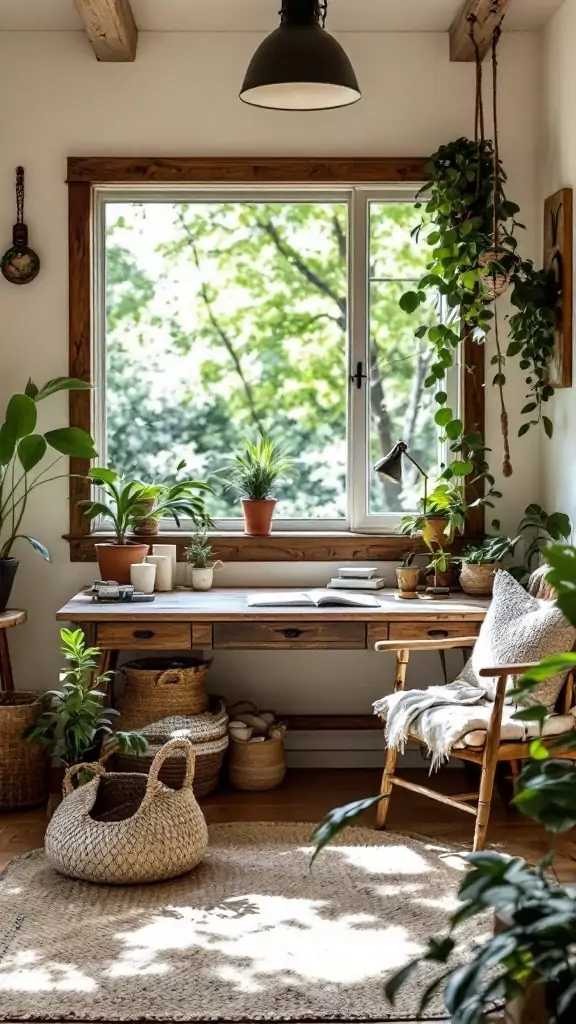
x=497 y=280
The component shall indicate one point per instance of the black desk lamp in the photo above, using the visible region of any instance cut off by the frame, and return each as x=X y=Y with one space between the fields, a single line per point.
x=390 y=467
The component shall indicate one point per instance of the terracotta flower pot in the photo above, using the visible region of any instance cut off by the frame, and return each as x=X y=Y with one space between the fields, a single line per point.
x=258 y=516
x=407 y=577
x=114 y=560
x=477 y=579
x=433 y=532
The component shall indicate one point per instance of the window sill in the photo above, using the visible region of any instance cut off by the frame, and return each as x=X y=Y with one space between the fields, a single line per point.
x=279 y=547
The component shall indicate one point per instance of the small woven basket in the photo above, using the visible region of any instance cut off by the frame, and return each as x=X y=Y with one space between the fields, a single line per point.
x=498 y=282
x=477 y=579
x=126 y=829
x=257 y=766
x=208 y=734
x=23 y=764
x=157 y=689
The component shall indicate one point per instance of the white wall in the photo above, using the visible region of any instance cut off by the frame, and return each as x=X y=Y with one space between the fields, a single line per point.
x=180 y=98
x=558 y=170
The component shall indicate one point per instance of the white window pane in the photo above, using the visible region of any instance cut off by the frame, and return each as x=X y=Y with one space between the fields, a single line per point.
x=401 y=408
x=223 y=318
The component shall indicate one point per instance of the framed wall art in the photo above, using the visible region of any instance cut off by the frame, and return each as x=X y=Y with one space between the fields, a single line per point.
x=558 y=241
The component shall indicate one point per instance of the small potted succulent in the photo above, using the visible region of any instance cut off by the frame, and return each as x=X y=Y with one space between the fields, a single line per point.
x=199 y=557
x=407 y=575
x=128 y=500
x=253 y=474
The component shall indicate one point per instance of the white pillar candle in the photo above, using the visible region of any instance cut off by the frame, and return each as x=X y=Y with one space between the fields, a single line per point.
x=169 y=551
x=142 y=577
x=163 y=567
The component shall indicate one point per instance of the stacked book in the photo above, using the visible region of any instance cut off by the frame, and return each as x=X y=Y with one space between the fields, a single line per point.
x=357 y=577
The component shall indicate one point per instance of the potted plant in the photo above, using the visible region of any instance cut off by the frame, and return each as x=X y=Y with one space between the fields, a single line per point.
x=443 y=513
x=441 y=565
x=127 y=501
x=77 y=723
x=479 y=563
x=199 y=557
x=254 y=472
x=407 y=575
x=22 y=450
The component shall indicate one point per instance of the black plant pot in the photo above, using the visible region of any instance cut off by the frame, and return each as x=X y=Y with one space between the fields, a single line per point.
x=8 y=567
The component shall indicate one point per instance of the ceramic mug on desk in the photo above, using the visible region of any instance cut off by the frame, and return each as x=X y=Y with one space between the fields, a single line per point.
x=163 y=568
x=202 y=579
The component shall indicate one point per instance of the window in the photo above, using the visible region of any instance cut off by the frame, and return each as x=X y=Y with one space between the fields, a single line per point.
x=221 y=313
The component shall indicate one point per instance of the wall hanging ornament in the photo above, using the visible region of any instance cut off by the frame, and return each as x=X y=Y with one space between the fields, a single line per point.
x=20 y=264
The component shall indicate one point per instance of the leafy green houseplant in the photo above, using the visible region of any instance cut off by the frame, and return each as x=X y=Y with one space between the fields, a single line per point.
x=199 y=555
x=23 y=448
x=254 y=472
x=440 y=517
x=77 y=723
x=129 y=500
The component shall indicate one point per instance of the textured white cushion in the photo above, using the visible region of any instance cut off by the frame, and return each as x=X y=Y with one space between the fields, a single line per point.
x=519 y=628
x=555 y=725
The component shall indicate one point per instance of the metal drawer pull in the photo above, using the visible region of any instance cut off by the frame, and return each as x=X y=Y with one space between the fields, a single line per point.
x=143 y=634
x=292 y=634
x=437 y=634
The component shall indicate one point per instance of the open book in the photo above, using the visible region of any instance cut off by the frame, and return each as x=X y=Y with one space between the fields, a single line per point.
x=312 y=598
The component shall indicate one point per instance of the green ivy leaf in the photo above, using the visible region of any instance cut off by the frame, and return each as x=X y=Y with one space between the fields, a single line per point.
x=441 y=397
x=443 y=417
x=31 y=451
x=548 y=426
x=523 y=429
x=409 y=302
x=454 y=429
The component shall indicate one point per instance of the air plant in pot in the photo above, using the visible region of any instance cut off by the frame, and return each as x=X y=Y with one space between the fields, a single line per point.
x=22 y=451
x=253 y=473
x=129 y=501
x=199 y=557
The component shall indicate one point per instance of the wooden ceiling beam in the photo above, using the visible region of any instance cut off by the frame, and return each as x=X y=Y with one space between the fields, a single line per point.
x=486 y=16
x=110 y=27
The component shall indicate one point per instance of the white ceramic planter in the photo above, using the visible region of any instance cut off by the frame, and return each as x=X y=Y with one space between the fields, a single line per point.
x=202 y=579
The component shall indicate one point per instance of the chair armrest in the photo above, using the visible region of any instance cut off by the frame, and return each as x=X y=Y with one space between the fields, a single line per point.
x=507 y=670
x=426 y=645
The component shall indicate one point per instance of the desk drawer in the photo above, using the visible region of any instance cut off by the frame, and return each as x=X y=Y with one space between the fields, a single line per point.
x=144 y=636
x=290 y=635
x=426 y=630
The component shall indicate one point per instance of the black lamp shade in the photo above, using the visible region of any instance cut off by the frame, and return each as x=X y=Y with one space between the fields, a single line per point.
x=390 y=467
x=300 y=67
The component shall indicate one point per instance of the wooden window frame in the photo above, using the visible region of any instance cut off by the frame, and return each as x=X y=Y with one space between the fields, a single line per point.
x=84 y=175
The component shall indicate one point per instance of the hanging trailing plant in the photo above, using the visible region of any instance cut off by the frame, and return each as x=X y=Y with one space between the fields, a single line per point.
x=471 y=226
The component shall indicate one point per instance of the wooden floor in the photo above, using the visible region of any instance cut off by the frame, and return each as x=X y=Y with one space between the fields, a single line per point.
x=307 y=795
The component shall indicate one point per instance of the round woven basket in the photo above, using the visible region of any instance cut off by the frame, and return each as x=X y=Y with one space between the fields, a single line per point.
x=257 y=766
x=495 y=283
x=157 y=688
x=23 y=764
x=127 y=829
x=208 y=734
x=477 y=579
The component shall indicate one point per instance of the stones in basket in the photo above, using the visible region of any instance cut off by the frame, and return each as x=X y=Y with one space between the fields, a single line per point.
x=123 y=829
x=257 y=760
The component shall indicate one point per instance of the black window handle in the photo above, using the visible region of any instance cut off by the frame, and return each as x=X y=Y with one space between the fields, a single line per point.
x=292 y=634
x=437 y=634
x=143 y=634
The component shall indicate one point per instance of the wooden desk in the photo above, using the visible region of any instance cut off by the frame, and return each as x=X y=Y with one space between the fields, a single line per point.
x=221 y=619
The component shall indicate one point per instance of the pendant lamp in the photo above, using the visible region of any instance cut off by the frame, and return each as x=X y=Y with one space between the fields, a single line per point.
x=300 y=66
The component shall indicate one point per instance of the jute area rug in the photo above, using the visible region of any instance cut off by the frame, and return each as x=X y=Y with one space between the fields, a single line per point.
x=251 y=934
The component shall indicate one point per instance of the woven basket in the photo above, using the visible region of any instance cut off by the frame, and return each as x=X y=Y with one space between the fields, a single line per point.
x=495 y=283
x=23 y=765
x=207 y=732
x=257 y=766
x=127 y=829
x=477 y=579
x=157 y=689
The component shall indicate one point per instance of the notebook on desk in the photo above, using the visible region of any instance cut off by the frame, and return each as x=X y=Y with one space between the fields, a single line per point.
x=311 y=598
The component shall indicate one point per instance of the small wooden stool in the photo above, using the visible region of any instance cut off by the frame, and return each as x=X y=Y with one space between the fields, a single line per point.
x=7 y=620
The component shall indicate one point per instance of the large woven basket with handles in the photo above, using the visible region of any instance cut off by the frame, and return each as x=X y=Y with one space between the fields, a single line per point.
x=123 y=829
x=156 y=688
x=24 y=766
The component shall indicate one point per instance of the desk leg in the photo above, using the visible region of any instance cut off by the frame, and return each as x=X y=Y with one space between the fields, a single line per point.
x=5 y=664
